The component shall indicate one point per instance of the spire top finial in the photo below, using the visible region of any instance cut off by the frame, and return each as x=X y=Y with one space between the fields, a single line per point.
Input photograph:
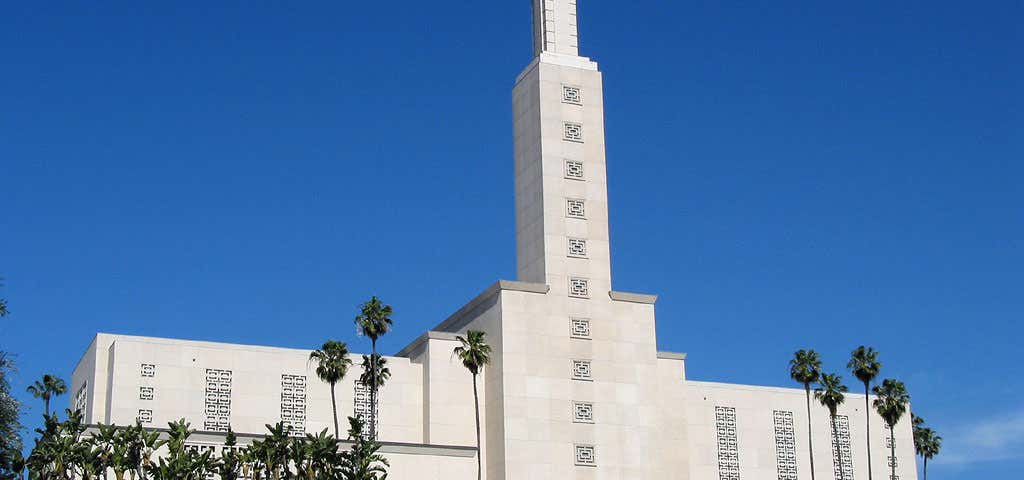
x=555 y=27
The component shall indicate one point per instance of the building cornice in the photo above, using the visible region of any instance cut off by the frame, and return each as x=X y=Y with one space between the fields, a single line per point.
x=672 y=355
x=217 y=438
x=633 y=297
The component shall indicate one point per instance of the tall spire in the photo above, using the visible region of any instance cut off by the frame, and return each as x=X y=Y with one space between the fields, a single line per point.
x=555 y=27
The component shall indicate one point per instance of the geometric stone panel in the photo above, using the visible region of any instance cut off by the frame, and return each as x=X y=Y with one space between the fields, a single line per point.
x=575 y=208
x=293 y=404
x=148 y=370
x=579 y=287
x=842 y=453
x=581 y=370
x=583 y=412
x=572 y=132
x=145 y=416
x=728 y=444
x=785 y=445
x=572 y=95
x=217 y=401
x=362 y=406
x=586 y=455
x=580 y=328
x=577 y=248
x=146 y=393
x=81 y=398
x=573 y=170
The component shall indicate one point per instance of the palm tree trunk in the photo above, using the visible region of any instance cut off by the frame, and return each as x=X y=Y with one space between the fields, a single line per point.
x=476 y=410
x=810 y=439
x=925 y=468
x=892 y=446
x=334 y=408
x=373 y=389
x=867 y=423
x=839 y=452
x=46 y=401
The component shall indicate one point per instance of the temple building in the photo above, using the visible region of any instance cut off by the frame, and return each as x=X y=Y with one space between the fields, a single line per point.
x=577 y=388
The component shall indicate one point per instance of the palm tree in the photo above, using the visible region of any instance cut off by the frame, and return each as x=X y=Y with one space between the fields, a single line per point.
x=362 y=461
x=865 y=366
x=832 y=393
x=50 y=386
x=375 y=372
x=805 y=368
x=374 y=320
x=891 y=403
x=3 y=303
x=474 y=352
x=927 y=444
x=332 y=364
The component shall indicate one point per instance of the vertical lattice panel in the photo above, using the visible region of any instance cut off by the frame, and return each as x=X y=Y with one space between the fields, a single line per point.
x=728 y=444
x=842 y=453
x=293 y=404
x=785 y=445
x=81 y=398
x=362 y=406
x=217 y=403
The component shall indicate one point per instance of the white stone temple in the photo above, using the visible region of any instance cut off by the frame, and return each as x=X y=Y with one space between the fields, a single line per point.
x=577 y=388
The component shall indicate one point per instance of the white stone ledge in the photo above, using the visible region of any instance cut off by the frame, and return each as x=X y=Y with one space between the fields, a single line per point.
x=633 y=297
x=672 y=355
x=217 y=439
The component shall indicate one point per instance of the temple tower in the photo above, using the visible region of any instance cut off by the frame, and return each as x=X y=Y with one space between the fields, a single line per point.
x=560 y=182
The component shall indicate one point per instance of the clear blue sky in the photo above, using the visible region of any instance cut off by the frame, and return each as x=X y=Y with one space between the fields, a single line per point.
x=784 y=176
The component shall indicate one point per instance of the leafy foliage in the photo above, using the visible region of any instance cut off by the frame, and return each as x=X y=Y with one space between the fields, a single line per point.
x=65 y=451
x=10 y=426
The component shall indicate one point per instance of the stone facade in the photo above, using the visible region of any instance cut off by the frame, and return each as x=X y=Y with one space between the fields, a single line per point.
x=577 y=388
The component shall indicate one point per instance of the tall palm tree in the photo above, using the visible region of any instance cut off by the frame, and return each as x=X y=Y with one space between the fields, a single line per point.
x=865 y=366
x=374 y=320
x=332 y=364
x=891 y=403
x=805 y=368
x=832 y=393
x=50 y=386
x=927 y=444
x=474 y=352
x=375 y=371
